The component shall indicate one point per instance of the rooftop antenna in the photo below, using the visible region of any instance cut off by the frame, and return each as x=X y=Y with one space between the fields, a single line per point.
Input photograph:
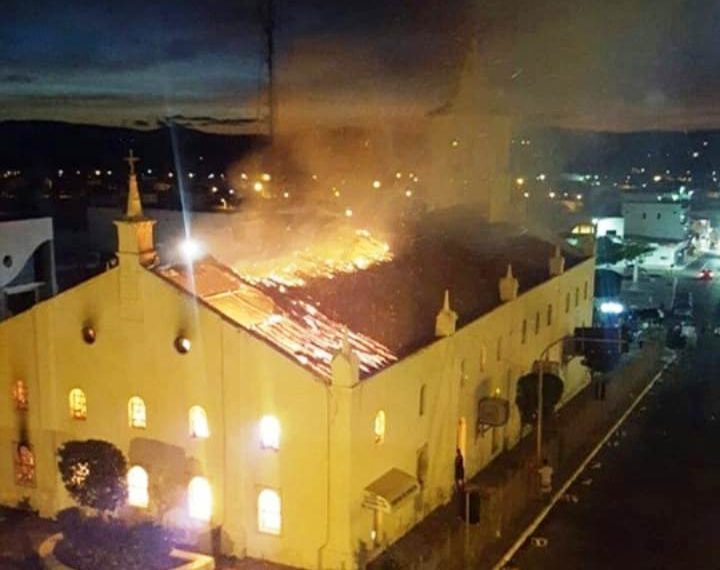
x=267 y=15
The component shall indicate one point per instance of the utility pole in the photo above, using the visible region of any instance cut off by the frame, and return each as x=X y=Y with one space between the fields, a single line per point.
x=542 y=361
x=267 y=14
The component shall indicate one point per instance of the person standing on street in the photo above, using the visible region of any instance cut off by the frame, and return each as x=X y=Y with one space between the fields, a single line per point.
x=546 y=474
x=459 y=471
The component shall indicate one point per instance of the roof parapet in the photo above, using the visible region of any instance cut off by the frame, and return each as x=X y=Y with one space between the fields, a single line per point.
x=556 y=264
x=446 y=319
x=508 y=286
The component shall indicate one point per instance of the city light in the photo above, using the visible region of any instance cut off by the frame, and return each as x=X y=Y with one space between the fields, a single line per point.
x=611 y=308
x=258 y=186
x=348 y=212
x=376 y=184
x=265 y=177
x=520 y=181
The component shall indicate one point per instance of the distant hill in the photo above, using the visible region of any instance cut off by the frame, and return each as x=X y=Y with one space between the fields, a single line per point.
x=555 y=149
x=45 y=146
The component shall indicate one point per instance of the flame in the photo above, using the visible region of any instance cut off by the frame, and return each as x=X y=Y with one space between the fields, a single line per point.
x=344 y=255
x=263 y=299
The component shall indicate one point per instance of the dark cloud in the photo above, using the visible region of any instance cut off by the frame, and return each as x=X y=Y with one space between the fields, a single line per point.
x=546 y=61
x=18 y=78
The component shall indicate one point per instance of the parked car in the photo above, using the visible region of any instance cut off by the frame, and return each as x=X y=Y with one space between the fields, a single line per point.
x=705 y=274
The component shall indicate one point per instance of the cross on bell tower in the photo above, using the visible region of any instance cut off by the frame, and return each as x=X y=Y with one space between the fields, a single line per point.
x=131 y=159
x=134 y=230
x=134 y=206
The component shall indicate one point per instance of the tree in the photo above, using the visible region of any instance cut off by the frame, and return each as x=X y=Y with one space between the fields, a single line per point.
x=527 y=395
x=609 y=251
x=93 y=472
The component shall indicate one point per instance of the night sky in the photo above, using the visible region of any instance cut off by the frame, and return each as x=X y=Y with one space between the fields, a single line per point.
x=582 y=63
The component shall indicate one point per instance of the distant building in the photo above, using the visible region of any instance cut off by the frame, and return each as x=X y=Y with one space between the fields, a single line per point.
x=610 y=227
x=655 y=216
x=27 y=263
x=303 y=423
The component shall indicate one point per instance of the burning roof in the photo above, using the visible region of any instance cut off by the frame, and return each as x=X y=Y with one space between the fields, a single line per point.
x=264 y=302
x=384 y=301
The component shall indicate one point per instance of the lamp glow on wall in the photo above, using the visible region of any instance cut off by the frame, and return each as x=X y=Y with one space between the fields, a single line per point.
x=191 y=250
x=182 y=344
x=270 y=433
x=88 y=334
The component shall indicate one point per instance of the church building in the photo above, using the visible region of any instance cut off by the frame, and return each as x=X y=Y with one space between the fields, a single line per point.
x=301 y=422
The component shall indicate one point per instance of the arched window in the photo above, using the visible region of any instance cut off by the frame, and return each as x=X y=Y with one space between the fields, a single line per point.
x=198 y=423
x=379 y=427
x=24 y=465
x=137 y=416
x=269 y=512
x=137 y=482
x=421 y=405
x=20 y=395
x=78 y=404
x=200 y=499
x=270 y=432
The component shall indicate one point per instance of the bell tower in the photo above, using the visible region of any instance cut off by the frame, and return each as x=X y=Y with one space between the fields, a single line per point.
x=134 y=230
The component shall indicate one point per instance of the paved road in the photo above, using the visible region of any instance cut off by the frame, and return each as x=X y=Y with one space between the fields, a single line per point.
x=654 y=500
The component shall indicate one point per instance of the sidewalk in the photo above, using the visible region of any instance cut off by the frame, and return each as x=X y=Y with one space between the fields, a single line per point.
x=508 y=485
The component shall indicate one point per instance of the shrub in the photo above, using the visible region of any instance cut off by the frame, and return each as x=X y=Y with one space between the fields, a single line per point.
x=93 y=472
x=93 y=542
x=71 y=522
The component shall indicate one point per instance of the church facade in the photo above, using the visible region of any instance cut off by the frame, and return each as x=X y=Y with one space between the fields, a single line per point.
x=295 y=437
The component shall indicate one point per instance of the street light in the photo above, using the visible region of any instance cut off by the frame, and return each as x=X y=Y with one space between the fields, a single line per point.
x=541 y=370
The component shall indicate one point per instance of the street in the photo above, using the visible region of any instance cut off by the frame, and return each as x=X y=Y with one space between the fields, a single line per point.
x=651 y=498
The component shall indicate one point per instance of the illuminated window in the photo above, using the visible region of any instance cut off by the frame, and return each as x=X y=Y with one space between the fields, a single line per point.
x=269 y=512
x=270 y=432
x=198 y=422
x=421 y=405
x=137 y=482
x=137 y=416
x=549 y=314
x=379 y=427
x=24 y=464
x=200 y=499
x=20 y=395
x=523 y=332
x=78 y=404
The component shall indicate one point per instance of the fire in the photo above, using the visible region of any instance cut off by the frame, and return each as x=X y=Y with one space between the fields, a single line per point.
x=345 y=254
x=267 y=299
